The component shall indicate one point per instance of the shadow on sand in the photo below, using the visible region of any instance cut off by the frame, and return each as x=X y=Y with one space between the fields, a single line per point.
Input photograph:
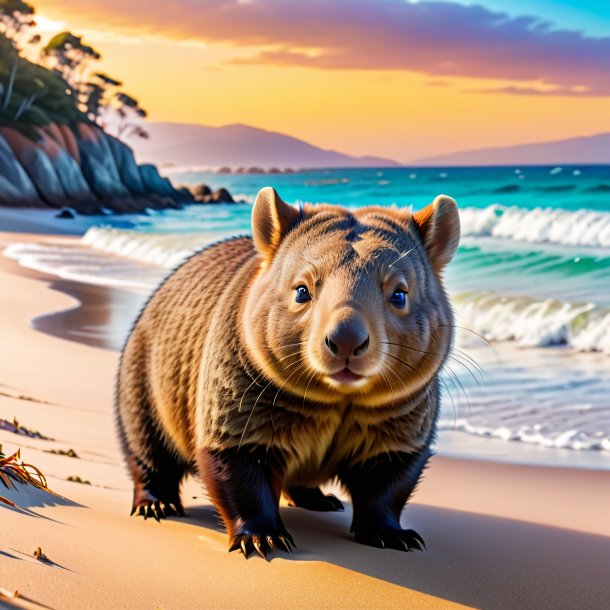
x=477 y=560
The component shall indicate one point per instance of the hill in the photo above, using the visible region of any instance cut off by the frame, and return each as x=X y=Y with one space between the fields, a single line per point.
x=190 y=145
x=584 y=150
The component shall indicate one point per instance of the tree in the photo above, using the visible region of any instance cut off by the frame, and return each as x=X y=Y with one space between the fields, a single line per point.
x=15 y=18
x=98 y=95
x=62 y=85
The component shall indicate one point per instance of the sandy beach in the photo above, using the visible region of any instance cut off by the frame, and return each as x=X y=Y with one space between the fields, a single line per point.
x=499 y=535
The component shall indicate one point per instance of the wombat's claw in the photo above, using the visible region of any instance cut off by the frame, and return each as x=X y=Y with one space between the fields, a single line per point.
x=263 y=545
x=157 y=510
x=400 y=540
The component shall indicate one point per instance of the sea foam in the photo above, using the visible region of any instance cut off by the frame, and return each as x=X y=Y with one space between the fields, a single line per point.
x=539 y=225
x=535 y=323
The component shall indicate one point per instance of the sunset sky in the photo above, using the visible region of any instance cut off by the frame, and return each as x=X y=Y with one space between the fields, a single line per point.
x=382 y=77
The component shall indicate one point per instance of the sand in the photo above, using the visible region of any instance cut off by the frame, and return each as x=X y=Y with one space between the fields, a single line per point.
x=499 y=536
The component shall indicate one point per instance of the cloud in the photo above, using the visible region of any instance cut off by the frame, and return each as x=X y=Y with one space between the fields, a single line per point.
x=439 y=39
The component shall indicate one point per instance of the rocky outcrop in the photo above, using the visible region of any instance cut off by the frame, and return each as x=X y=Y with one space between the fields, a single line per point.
x=81 y=167
x=16 y=188
x=203 y=194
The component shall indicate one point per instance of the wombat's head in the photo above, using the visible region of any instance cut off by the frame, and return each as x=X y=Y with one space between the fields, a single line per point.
x=349 y=304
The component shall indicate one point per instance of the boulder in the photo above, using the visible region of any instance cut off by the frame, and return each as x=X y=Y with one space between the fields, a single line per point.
x=37 y=165
x=67 y=169
x=98 y=163
x=199 y=191
x=221 y=196
x=70 y=143
x=155 y=183
x=66 y=213
x=16 y=188
x=127 y=166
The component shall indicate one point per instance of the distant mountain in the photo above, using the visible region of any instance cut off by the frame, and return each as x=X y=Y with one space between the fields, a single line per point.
x=584 y=150
x=237 y=145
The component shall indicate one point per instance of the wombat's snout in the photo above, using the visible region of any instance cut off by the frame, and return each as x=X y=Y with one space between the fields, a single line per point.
x=348 y=337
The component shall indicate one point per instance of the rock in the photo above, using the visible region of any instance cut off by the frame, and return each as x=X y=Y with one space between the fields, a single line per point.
x=224 y=170
x=98 y=163
x=67 y=169
x=66 y=213
x=221 y=196
x=37 y=165
x=127 y=166
x=16 y=188
x=199 y=191
x=82 y=167
x=155 y=183
x=70 y=143
x=185 y=192
x=255 y=170
x=274 y=170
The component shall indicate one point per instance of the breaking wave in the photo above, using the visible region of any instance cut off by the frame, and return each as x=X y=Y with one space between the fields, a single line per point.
x=539 y=225
x=535 y=323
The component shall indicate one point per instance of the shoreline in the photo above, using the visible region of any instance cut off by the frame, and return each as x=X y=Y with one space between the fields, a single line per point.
x=500 y=535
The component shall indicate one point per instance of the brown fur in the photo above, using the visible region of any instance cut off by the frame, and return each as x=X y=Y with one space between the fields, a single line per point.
x=223 y=358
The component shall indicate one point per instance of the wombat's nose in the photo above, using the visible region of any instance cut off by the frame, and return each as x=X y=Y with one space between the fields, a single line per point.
x=349 y=338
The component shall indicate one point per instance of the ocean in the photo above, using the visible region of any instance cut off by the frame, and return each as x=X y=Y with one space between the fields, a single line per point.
x=530 y=380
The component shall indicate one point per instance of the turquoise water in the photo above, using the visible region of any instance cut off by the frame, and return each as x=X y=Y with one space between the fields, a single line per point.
x=569 y=187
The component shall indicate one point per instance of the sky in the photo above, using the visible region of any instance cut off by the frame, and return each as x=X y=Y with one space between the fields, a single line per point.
x=391 y=78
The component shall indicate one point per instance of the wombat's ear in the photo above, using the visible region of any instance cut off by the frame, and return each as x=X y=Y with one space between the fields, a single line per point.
x=439 y=225
x=272 y=218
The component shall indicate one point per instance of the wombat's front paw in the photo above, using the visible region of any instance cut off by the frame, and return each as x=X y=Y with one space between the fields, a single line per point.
x=262 y=543
x=398 y=539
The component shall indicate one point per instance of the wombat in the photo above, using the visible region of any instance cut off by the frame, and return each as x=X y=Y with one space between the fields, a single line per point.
x=272 y=364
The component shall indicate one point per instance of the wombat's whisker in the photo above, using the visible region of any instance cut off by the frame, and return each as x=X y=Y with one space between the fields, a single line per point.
x=489 y=345
x=454 y=378
x=401 y=256
x=291 y=344
x=452 y=401
x=302 y=368
x=448 y=355
x=389 y=368
x=404 y=363
x=307 y=387
x=243 y=434
x=388 y=383
x=261 y=375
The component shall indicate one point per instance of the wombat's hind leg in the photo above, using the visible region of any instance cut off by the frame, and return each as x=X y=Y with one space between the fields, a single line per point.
x=155 y=470
x=156 y=490
x=244 y=485
x=312 y=498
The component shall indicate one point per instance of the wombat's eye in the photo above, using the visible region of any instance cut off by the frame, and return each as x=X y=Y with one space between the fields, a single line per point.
x=399 y=298
x=302 y=295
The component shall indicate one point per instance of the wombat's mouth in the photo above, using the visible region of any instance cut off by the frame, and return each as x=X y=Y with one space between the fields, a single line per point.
x=347 y=376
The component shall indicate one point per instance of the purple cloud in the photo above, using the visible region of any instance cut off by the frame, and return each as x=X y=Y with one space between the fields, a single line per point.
x=439 y=39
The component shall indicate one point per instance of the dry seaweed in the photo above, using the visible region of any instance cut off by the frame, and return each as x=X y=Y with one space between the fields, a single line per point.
x=13 y=471
x=77 y=479
x=68 y=453
x=17 y=428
